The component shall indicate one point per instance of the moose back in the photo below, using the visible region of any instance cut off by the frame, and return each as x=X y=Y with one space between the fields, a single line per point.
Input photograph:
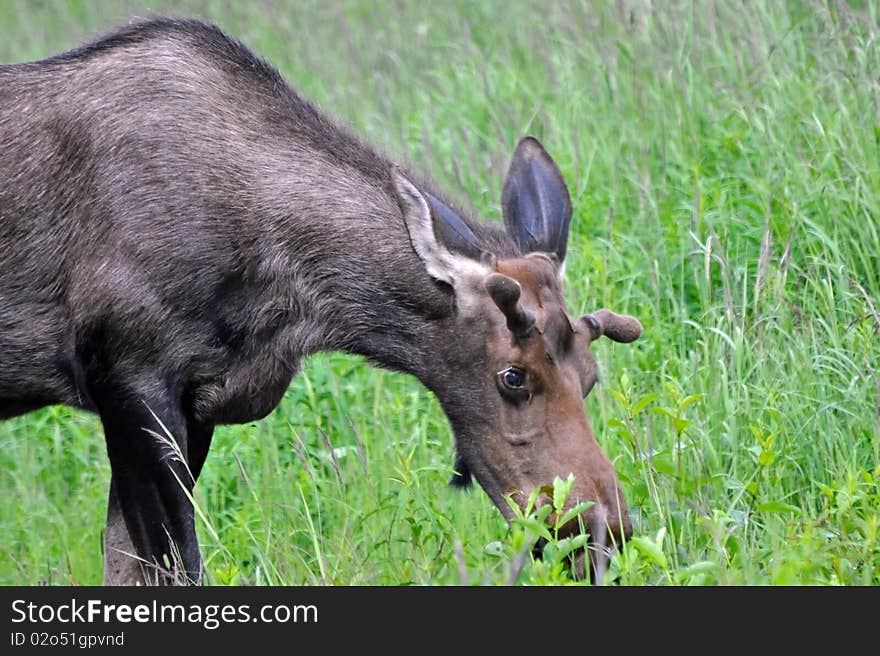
x=179 y=228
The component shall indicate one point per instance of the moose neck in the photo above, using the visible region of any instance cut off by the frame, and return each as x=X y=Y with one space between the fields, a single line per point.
x=358 y=285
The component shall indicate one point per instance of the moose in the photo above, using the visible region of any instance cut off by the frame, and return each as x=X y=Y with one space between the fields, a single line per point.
x=179 y=228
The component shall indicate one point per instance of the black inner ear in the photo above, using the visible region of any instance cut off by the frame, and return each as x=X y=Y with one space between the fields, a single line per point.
x=535 y=202
x=462 y=476
x=453 y=232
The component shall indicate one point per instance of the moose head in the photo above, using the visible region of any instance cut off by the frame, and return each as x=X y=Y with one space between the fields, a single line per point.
x=516 y=367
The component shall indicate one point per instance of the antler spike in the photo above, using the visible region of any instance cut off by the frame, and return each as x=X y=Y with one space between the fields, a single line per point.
x=506 y=291
x=618 y=327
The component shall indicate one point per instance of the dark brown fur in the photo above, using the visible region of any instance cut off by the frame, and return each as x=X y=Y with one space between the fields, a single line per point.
x=179 y=228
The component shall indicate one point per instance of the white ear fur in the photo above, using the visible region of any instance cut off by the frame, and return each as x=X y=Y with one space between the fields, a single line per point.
x=440 y=262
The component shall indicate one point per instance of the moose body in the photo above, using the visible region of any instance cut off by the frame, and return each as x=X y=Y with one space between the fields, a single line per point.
x=179 y=228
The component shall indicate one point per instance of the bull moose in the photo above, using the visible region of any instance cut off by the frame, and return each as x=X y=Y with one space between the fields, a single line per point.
x=179 y=228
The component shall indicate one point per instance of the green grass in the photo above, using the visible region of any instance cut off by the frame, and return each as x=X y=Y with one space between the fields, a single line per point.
x=725 y=174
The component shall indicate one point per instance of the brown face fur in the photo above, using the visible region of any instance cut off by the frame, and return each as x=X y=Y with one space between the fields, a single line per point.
x=542 y=428
x=512 y=368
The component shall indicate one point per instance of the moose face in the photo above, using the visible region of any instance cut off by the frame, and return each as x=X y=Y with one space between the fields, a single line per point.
x=514 y=381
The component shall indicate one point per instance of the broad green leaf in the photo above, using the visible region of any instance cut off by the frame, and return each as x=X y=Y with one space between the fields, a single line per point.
x=643 y=402
x=621 y=399
x=649 y=550
x=566 y=546
x=686 y=401
x=578 y=541
x=574 y=511
x=561 y=489
x=535 y=526
x=680 y=424
x=514 y=506
x=543 y=512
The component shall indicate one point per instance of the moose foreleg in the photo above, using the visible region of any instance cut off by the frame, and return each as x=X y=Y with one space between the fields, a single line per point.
x=151 y=491
x=122 y=565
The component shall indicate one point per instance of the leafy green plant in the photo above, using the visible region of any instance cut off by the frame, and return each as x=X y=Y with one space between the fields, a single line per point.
x=725 y=189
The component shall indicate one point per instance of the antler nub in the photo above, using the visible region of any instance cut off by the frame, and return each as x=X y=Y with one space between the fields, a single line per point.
x=506 y=291
x=618 y=327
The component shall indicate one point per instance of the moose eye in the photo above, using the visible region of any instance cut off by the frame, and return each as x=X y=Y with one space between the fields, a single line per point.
x=513 y=378
x=512 y=383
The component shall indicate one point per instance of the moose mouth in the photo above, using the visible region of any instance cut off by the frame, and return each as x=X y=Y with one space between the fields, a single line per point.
x=592 y=560
x=607 y=529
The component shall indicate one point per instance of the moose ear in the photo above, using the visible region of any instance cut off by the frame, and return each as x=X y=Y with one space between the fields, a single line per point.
x=434 y=230
x=451 y=229
x=535 y=201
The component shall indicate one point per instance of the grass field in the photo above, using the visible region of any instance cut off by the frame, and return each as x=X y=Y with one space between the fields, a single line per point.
x=724 y=163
